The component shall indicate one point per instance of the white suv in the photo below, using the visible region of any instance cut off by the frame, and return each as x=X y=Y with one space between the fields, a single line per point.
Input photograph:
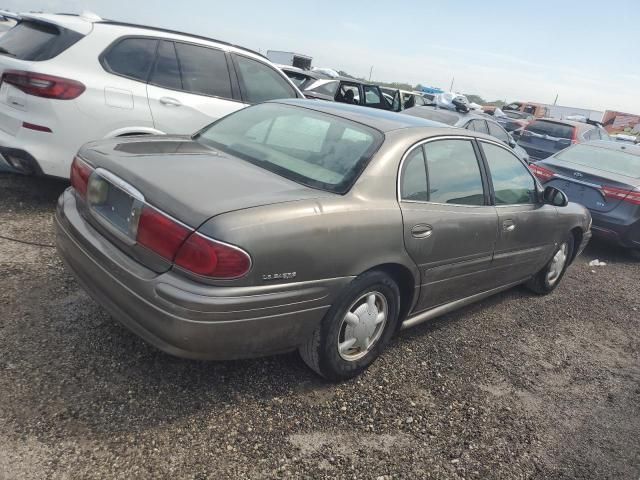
x=69 y=79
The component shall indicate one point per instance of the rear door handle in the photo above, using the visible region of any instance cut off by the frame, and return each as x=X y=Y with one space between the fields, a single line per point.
x=170 y=102
x=422 y=230
x=508 y=226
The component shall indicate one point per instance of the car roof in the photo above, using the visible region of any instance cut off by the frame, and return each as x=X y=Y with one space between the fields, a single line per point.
x=571 y=123
x=84 y=23
x=309 y=73
x=382 y=120
x=442 y=115
x=609 y=145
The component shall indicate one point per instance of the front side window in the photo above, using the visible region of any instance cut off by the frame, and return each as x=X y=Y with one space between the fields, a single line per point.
x=453 y=173
x=512 y=181
x=204 y=70
x=413 y=184
x=309 y=147
x=132 y=57
x=260 y=83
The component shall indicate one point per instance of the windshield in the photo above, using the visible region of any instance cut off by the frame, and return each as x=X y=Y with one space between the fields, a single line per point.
x=324 y=87
x=608 y=160
x=315 y=149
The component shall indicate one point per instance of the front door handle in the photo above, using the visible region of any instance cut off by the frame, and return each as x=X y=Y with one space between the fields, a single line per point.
x=422 y=230
x=508 y=226
x=170 y=102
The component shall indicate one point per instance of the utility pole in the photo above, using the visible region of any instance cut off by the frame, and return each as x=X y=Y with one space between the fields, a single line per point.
x=555 y=102
x=452 y=80
x=370 y=72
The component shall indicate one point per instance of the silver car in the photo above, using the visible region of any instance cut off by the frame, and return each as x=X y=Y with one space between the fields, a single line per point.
x=307 y=225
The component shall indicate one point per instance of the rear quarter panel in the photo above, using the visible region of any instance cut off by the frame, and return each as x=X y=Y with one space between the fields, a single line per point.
x=316 y=239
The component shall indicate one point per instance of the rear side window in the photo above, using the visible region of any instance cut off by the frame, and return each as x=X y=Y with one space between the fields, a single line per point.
x=36 y=41
x=553 y=129
x=131 y=57
x=498 y=132
x=453 y=173
x=478 y=126
x=260 y=83
x=414 y=177
x=166 y=72
x=204 y=70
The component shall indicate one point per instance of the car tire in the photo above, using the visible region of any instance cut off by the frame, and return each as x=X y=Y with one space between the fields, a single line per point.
x=547 y=279
x=352 y=334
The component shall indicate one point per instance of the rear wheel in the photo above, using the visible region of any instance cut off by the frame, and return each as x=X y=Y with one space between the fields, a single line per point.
x=356 y=328
x=547 y=279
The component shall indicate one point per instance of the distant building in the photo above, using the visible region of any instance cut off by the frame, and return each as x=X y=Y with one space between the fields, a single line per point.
x=560 y=112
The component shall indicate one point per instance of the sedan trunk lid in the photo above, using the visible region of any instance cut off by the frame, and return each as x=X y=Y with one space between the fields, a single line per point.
x=190 y=181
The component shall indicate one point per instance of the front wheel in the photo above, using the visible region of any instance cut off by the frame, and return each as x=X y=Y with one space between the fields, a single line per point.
x=356 y=328
x=547 y=279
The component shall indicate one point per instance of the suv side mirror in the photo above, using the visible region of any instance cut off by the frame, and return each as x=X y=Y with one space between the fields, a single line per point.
x=554 y=196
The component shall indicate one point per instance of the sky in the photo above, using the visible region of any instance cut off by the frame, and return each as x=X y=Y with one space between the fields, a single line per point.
x=585 y=52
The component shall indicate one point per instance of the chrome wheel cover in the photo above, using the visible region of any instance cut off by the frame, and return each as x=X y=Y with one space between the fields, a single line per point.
x=557 y=264
x=362 y=326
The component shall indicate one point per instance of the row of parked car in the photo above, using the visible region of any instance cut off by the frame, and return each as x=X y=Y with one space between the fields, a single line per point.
x=304 y=221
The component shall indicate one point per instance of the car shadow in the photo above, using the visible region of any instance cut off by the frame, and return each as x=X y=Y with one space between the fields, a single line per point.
x=30 y=191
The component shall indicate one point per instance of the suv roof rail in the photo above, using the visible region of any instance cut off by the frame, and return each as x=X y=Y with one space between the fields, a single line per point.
x=177 y=32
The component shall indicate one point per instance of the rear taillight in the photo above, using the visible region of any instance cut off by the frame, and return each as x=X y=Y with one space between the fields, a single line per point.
x=630 y=196
x=210 y=258
x=41 y=85
x=574 y=136
x=160 y=233
x=189 y=250
x=543 y=174
x=79 y=176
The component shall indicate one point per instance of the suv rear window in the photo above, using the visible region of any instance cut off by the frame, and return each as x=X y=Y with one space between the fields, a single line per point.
x=553 y=129
x=37 y=41
x=131 y=57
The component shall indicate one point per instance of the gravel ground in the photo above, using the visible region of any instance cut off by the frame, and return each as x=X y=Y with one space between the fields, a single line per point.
x=516 y=386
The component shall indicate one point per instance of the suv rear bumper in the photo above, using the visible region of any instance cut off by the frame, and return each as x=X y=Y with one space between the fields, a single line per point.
x=185 y=318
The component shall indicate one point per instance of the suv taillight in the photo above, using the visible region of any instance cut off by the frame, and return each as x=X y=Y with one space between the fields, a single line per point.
x=79 y=176
x=188 y=249
x=41 y=85
x=543 y=174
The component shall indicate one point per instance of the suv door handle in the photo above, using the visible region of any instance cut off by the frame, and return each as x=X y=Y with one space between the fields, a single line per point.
x=422 y=230
x=170 y=102
x=508 y=226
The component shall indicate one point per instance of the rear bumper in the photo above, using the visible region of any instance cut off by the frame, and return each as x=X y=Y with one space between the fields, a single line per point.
x=623 y=232
x=184 y=318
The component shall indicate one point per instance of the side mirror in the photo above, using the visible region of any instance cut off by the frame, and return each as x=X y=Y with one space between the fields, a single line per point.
x=512 y=142
x=555 y=197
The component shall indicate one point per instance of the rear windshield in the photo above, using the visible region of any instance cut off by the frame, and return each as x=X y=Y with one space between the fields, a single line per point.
x=553 y=129
x=605 y=159
x=37 y=41
x=315 y=149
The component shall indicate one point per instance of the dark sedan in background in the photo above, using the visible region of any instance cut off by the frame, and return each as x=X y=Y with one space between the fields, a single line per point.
x=604 y=177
